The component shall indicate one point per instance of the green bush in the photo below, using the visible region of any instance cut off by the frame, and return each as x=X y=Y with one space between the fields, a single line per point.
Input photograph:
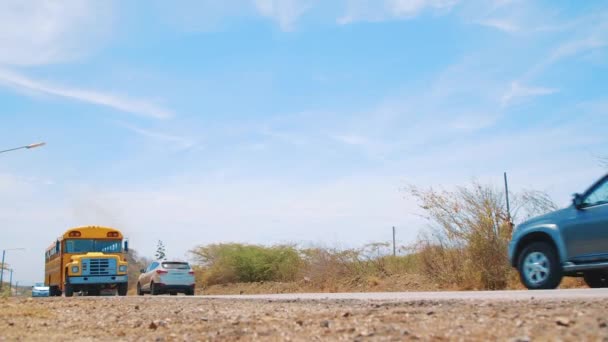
x=233 y=262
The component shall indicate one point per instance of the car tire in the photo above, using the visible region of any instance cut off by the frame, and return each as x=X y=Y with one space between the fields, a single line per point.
x=153 y=290
x=139 y=291
x=596 y=279
x=189 y=292
x=539 y=267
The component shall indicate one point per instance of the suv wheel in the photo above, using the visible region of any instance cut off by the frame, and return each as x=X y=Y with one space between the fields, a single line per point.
x=539 y=267
x=153 y=290
x=596 y=279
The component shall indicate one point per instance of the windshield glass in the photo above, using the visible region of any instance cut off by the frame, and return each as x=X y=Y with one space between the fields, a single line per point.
x=89 y=245
x=39 y=285
x=176 y=265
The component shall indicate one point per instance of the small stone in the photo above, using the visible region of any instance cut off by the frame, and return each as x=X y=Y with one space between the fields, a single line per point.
x=325 y=324
x=152 y=326
x=603 y=324
x=430 y=313
x=562 y=321
x=136 y=307
x=11 y=323
x=204 y=319
x=299 y=322
x=520 y=339
x=519 y=323
x=346 y=314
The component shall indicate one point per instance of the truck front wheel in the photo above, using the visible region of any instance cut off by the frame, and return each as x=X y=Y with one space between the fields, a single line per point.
x=123 y=288
x=539 y=267
x=69 y=290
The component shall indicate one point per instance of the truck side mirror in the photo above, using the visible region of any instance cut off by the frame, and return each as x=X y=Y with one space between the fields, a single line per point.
x=142 y=271
x=577 y=201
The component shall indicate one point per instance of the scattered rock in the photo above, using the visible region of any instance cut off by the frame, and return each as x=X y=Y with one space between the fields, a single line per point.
x=520 y=339
x=152 y=326
x=346 y=314
x=299 y=322
x=325 y=324
x=563 y=321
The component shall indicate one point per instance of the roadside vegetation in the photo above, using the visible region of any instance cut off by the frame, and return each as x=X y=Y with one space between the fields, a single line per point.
x=464 y=246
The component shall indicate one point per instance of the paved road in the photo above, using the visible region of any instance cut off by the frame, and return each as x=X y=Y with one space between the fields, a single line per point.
x=443 y=295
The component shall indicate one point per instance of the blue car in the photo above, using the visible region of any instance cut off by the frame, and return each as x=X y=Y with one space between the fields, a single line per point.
x=40 y=290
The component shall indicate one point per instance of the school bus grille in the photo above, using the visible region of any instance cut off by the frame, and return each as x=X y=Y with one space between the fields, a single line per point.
x=98 y=266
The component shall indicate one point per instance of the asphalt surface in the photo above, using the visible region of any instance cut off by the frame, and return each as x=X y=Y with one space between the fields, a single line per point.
x=440 y=295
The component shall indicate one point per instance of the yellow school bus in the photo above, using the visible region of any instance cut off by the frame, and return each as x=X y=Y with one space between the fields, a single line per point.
x=89 y=259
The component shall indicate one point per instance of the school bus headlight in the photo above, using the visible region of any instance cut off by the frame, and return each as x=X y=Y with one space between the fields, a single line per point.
x=122 y=268
x=74 y=269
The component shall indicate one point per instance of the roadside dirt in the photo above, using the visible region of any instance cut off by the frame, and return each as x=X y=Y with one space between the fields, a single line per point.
x=397 y=283
x=167 y=318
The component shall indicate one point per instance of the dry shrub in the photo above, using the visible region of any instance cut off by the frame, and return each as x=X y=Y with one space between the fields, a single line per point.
x=466 y=245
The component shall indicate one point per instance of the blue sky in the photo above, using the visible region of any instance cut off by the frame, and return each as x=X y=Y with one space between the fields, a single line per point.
x=270 y=121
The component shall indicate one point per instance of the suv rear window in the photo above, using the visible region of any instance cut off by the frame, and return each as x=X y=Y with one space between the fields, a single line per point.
x=176 y=265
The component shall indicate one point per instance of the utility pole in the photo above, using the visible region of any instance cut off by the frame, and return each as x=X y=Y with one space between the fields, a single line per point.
x=2 y=268
x=10 y=284
x=394 y=248
x=507 y=197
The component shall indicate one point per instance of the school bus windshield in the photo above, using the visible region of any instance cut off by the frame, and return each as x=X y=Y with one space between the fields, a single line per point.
x=90 y=245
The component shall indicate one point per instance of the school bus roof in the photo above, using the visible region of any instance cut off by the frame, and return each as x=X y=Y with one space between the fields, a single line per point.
x=92 y=232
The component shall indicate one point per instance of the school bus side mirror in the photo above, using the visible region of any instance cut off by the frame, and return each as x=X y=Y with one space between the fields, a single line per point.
x=126 y=245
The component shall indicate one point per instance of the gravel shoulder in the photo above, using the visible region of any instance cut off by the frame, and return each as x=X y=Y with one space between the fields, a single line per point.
x=167 y=318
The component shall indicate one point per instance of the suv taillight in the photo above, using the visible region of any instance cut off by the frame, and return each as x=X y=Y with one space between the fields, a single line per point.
x=191 y=273
x=161 y=271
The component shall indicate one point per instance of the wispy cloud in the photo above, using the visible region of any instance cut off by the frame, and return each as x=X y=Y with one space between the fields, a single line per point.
x=135 y=106
x=181 y=142
x=285 y=12
x=380 y=10
x=500 y=24
x=518 y=91
x=43 y=32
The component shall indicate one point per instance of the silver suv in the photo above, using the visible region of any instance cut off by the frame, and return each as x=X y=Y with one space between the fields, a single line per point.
x=567 y=242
